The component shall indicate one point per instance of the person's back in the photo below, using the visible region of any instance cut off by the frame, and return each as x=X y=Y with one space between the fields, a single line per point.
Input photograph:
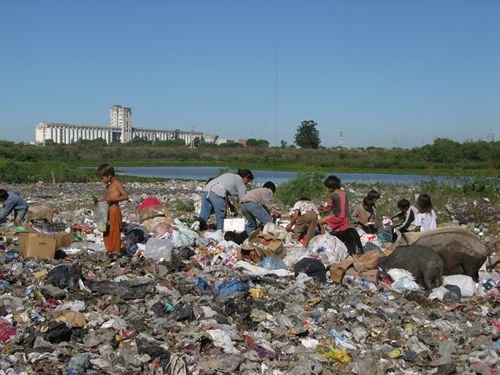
x=215 y=192
x=12 y=201
x=304 y=219
x=426 y=216
x=257 y=207
x=226 y=183
x=337 y=208
x=364 y=216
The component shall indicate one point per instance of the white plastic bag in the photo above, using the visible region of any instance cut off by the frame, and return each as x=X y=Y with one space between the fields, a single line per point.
x=101 y=214
x=403 y=280
x=438 y=293
x=294 y=254
x=466 y=284
x=182 y=236
x=277 y=231
x=158 y=249
x=222 y=340
x=329 y=249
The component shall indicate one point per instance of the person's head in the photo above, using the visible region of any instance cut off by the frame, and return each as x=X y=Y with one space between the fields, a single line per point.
x=105 y=172
x=332 y=183
x=304 y=199
x=246 y=175
x=424 y=203
x=270 y=185
x=3 y=195
x=373 y=194
x=404 y=205
x=368 y=203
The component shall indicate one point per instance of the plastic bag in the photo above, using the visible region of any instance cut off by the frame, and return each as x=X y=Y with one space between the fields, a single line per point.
x=277 y=231
x=466 y=284
x=231 y=288
x=158 y=249
x=222 y=340
x=7 y=330
x=311 y=267
x=438 y=293
x=182 y=236
x=272 y=263
x=294 y=254
x=101 y=215
x=403 y=280
x=329 y=249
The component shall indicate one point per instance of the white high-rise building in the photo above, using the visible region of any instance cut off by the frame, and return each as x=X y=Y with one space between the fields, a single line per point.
x=121 y=118
x=120 y=129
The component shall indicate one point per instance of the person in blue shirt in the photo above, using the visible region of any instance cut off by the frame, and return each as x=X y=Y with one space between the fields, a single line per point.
x=12 y=201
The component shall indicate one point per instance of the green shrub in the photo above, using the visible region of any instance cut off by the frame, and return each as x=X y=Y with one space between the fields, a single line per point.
x=309 y=185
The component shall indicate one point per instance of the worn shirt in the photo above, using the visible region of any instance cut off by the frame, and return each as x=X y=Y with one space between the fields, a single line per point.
x=334 y=204
x=408 y=224
x=362 y=216
x=14 y=202
x=227 y=183
x=264 y=196
x=426 y=220
x=304 y=207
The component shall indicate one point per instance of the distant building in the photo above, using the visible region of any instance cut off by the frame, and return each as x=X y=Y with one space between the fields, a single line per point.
x=210 y=137
x=120 y=130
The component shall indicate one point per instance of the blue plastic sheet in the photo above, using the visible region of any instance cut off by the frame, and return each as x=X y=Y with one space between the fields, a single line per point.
x=231 y=288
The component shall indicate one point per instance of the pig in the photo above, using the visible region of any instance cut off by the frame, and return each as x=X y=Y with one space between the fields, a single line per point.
x=462 y=251
x=422 y=262
x=39 y=213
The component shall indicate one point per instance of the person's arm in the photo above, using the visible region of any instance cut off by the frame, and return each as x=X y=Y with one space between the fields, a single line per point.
x=328 y=207
x=409 y=219
x=294 y=219
x=418 y=222
x=115 y=193
x=266 y=200
x=241 y=189
x=7 y=208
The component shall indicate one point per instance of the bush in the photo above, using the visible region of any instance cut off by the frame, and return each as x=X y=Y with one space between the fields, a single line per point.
x=309 y=185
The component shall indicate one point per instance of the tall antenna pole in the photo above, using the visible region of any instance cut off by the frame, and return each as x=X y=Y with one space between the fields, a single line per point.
x=276 y=101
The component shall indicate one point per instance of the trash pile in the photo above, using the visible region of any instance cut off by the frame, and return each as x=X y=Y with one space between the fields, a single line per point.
x=181 y=301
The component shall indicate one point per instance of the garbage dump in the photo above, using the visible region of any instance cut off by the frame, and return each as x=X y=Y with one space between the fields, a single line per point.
x=180 y=301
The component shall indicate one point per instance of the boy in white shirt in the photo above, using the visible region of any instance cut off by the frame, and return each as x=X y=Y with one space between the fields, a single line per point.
x=305 y=214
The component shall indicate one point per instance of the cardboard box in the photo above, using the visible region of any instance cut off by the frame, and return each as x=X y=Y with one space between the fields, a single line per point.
x=37 y=245
x=63 y=239
x=338 y=270
x=43 y=245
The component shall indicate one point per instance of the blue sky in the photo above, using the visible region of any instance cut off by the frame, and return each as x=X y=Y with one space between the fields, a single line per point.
x=381 y=70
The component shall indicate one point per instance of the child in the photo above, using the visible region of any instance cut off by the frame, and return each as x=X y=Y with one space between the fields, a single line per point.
x=337 y=205
x=12 y=201
x=426 y=216
x=364 y=216
x=305 y=216
x=115 y=193
x=407 y=216
x=374 y=195
x=214 y=197
x=257 y=206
